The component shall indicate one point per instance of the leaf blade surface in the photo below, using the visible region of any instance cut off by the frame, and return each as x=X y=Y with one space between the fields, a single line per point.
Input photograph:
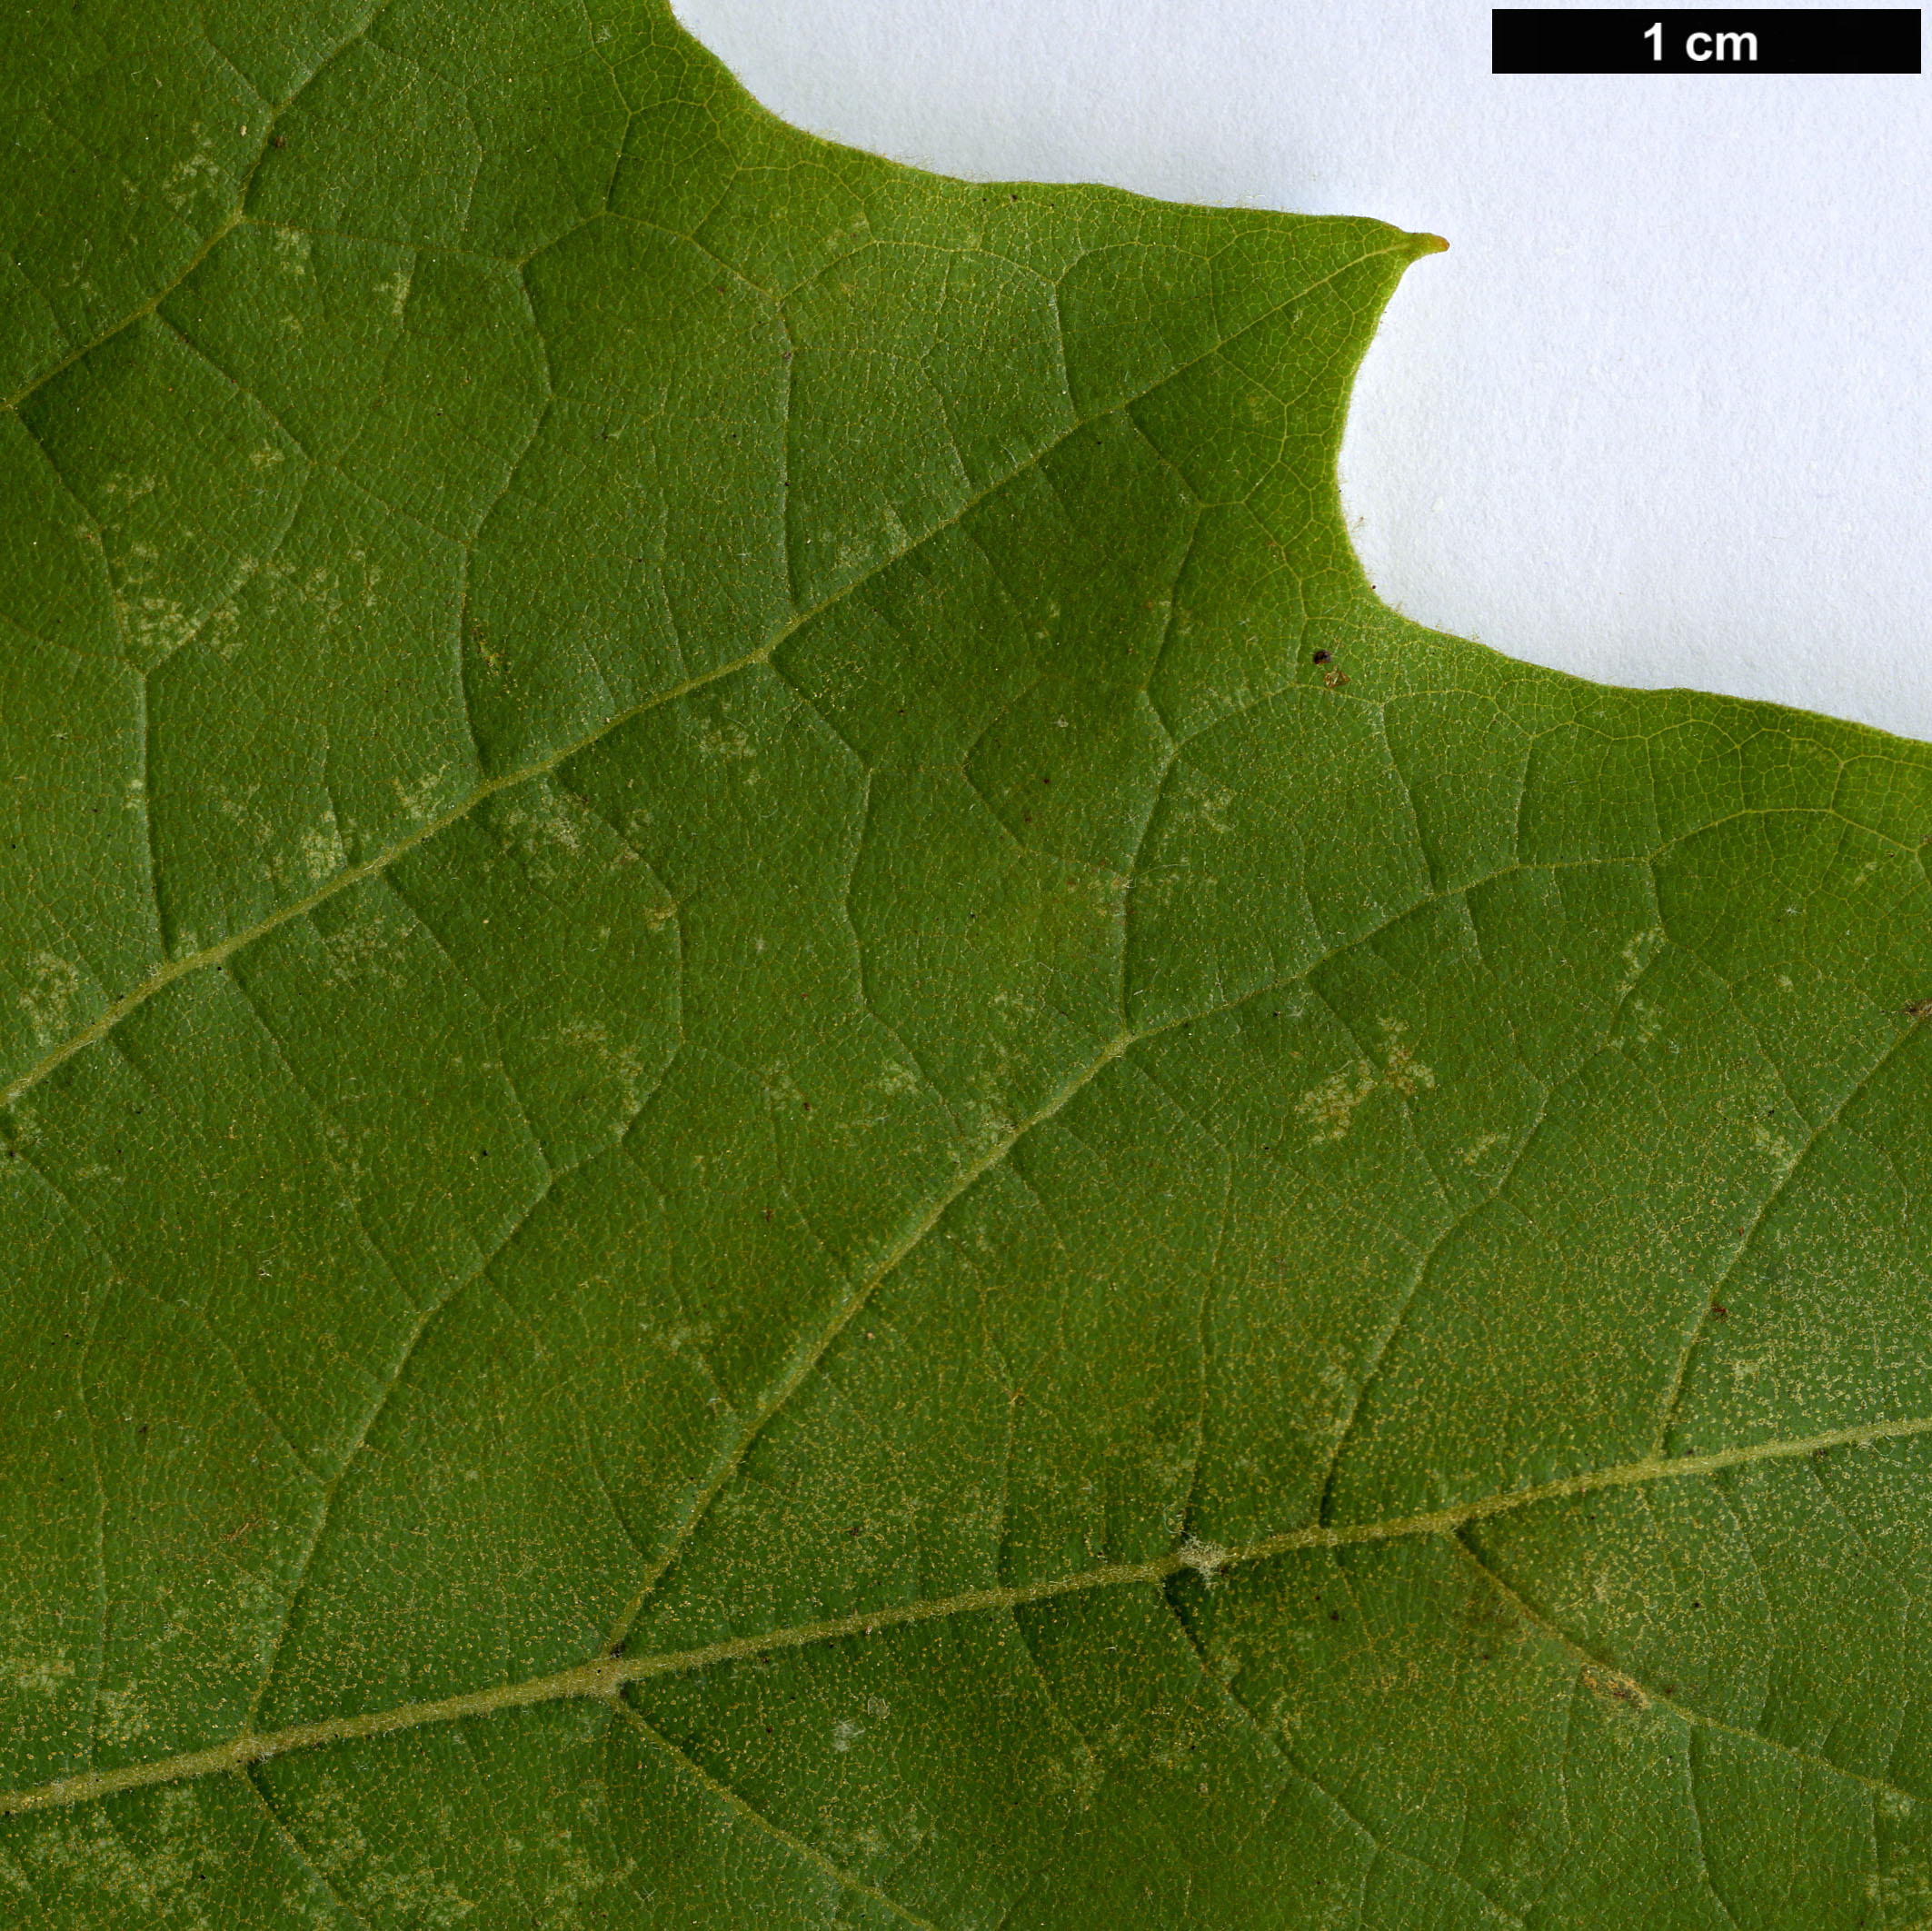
x=796 y=1133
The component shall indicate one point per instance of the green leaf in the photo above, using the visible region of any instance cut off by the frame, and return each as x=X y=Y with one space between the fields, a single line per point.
x=794 y=1133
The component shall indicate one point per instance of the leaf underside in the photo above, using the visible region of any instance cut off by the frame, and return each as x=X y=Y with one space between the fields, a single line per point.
x=795 y=1134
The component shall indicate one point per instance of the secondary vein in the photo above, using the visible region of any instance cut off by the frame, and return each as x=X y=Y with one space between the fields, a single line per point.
x=811 y=1356
x=214 y=954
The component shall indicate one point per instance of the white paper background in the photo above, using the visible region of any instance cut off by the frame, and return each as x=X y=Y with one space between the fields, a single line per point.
x=1663 y=413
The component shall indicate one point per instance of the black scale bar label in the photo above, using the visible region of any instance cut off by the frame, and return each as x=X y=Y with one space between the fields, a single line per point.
x=1722 y=40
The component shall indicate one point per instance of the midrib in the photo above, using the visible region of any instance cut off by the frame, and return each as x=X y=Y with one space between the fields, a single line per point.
x=603 y=1676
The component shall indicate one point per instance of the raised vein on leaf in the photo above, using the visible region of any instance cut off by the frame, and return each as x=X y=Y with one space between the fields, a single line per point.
x=606 y=1674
